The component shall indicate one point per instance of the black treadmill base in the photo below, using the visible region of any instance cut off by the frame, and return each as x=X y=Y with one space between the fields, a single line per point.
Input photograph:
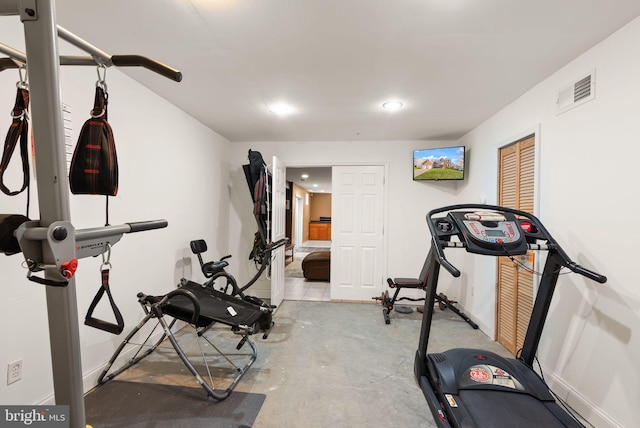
x=438 y=413
x=495 y=409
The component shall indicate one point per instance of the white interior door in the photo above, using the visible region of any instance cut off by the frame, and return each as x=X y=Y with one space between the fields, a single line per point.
x=278 y=210
x=357 y=232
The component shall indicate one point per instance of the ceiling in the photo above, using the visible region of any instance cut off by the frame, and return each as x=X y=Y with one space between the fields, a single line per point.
x=453 y=63
x=318 y=179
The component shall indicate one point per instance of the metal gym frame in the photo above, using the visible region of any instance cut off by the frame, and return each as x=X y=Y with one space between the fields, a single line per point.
x=52 y=241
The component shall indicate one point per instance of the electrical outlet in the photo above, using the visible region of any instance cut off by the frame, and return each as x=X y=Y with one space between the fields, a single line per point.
x=14 y=372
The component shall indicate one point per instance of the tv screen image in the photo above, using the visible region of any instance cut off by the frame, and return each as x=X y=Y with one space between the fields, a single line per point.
x=446 y=163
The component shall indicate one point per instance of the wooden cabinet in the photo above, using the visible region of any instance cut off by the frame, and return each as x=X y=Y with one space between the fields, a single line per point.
x=319 y=231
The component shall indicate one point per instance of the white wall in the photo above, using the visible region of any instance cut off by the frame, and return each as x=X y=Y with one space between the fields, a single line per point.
x=588 y=200
x=171 y=167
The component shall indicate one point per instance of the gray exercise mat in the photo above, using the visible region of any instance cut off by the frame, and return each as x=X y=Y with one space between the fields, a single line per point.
x=136 y=404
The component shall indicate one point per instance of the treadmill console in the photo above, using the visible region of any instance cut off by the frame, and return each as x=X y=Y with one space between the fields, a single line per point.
x=490 y=233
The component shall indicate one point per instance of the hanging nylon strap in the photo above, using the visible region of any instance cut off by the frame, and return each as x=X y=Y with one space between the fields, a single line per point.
x=101 y=324
x=19 y=130
x=104 y=288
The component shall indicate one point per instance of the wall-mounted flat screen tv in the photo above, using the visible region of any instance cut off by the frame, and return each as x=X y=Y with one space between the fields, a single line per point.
x=446 y=163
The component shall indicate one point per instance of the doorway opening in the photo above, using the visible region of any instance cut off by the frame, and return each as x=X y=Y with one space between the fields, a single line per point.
x=310 y=232
x=347 y=223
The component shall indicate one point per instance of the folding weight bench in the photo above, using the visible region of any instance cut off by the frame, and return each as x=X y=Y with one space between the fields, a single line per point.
x=201 y=307
x=421 y=284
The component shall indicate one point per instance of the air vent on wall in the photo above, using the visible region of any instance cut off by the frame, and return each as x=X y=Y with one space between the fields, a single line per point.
x=577 y=93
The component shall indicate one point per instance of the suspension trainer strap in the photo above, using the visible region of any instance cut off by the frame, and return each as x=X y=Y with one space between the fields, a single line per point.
x=101 y=324
x=19 y=130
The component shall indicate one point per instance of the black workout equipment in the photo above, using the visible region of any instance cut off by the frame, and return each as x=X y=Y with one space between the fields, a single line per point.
x=201 y=307
x=214 y=270
x=18 y=131
x=9 y=223
x=421 y=284
x=94 y=165
x=473 y=387
x=105 y=289
x=219 y=278
x=259 y=181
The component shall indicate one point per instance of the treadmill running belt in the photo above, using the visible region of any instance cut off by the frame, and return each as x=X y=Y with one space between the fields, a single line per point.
x=490 y=409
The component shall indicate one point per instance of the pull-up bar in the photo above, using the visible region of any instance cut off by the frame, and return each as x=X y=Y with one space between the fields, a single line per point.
x=98 y=56
x=7 y=63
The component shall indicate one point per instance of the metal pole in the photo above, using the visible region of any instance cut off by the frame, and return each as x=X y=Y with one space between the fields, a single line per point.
x=100 y=56
x=53 y=196
x=9 y=7
x=15 y=54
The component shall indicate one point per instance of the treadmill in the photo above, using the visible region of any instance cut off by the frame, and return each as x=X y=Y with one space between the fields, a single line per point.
x=476 y=388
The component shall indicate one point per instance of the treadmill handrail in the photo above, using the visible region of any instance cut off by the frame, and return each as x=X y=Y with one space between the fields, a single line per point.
x=574 y=267
x=445 y=263
x=551 y=242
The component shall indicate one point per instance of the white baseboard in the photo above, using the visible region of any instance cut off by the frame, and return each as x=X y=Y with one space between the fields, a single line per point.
x=90 y=377
x=588 y=410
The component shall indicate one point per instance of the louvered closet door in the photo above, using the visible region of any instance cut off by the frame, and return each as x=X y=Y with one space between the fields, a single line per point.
x=515 y=285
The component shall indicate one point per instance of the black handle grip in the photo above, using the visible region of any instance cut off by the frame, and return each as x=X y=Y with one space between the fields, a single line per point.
x=448 y=266
x=391 y=283
x=139 y=226
x=148 y=63
x=107 y=326
x=587 y=273
x=50 y=282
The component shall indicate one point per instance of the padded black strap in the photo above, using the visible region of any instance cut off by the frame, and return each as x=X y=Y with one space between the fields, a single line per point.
x=19 y=129
x=101 y=324
x=94 y=165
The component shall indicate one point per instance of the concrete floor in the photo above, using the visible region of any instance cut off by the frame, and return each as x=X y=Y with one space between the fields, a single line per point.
x=325 y=364
x=332 y=365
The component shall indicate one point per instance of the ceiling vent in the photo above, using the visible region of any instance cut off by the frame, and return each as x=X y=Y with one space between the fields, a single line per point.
x=577 y=93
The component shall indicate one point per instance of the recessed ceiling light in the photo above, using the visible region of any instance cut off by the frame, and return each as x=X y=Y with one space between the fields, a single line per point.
x=315 y=185
x=392 y=105
x=280 y=109
x=304 y=176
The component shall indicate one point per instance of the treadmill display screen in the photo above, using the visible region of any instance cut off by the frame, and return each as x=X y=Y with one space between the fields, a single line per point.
x=490 y=236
